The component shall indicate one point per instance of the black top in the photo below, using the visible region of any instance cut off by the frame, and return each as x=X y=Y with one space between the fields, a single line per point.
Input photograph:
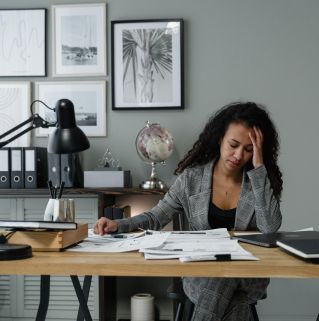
x=218 y=218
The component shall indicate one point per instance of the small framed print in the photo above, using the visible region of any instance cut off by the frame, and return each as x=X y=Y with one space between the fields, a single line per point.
x=89 y=100
x=79 y=36
x=147 y=64
x=15 y=99
x=22 y=40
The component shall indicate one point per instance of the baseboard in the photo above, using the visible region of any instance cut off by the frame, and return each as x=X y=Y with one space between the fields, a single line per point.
x=130 y=320
x=287 y=317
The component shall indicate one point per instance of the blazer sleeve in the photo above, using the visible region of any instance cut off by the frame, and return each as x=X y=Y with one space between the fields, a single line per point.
x=267 y=207
x=161 y=214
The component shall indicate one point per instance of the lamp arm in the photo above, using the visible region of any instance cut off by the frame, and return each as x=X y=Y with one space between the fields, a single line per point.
x=37 y=122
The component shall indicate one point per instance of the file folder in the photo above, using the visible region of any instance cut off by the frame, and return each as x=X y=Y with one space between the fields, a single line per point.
x=35 y=167
x=17 y=179
x=54 y=168
x=71 y=170
x=5 y=168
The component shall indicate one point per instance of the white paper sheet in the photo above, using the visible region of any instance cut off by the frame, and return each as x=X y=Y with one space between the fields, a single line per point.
x=123 y=245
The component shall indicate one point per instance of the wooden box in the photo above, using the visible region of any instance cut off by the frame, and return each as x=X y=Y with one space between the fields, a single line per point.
x=50 y=240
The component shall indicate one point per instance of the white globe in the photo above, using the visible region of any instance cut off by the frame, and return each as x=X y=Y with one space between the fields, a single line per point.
x=154 y=143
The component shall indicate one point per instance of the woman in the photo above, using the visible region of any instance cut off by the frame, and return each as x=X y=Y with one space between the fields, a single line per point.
x=230 y=178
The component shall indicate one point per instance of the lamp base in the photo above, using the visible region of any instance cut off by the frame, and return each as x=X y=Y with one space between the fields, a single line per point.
x=15 y=251
x=153 y=183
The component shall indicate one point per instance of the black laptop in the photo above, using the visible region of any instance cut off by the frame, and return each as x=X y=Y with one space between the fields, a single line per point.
x=270 y=239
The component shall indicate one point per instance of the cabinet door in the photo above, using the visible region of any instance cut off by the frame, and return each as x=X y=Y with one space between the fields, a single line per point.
x=7 y=283
x=63 y=300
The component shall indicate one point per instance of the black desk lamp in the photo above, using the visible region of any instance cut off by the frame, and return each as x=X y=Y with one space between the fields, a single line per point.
x=67 y=138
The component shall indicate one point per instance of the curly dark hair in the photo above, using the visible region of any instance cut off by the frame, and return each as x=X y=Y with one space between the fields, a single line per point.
x=207 y=147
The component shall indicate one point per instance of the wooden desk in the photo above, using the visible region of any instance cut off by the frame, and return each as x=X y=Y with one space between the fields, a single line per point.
x=273 y=263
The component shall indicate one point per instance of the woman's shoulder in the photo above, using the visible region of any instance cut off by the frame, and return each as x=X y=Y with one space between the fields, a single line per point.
x=195 y=170
x=197 y=173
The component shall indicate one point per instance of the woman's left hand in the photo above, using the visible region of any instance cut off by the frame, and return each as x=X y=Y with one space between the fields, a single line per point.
x=257 y=139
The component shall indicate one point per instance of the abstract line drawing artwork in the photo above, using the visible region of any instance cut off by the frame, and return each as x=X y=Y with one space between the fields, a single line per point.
x=14 y=109
x=22 y=42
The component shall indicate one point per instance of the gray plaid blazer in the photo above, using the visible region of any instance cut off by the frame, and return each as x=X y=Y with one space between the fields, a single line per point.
x=190 y=195
x=257 y=207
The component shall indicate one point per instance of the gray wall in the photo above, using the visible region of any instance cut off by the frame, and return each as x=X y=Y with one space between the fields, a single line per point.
x=265 y=51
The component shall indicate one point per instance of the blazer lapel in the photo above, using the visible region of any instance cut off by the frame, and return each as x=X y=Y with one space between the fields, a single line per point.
x=246 y=205
x=199 y=202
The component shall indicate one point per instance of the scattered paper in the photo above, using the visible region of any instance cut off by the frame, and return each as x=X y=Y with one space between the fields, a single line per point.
x=127 y=244
x=186 y=246
x=112 y=237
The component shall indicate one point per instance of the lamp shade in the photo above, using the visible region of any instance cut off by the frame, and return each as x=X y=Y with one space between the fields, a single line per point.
x=67 y=138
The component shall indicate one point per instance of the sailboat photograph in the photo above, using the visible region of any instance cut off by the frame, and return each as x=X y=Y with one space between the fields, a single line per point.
x=79 y=41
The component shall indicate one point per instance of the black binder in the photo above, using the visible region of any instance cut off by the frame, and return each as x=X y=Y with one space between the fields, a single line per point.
x=54 y=168
x=5 y=170
x=35 y=167
x=17 y=179
x=108 y=212
x=71 y=170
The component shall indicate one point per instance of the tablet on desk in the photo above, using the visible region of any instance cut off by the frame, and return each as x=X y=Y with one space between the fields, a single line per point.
x=270 y=239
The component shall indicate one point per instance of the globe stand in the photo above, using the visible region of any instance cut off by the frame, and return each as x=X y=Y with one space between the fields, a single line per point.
x=154 y=182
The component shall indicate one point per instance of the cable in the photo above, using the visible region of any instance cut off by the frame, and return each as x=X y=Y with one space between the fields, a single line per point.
x=5 y=237
x=39 y=101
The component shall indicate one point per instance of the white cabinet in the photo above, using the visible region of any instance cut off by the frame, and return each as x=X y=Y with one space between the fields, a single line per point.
x=20 y=295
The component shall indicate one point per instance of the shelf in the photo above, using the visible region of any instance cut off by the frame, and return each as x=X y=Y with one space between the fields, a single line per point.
x=80 y=191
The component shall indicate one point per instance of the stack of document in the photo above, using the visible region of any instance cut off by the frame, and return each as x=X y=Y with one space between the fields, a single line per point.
x=186 y=246
x=205 y=245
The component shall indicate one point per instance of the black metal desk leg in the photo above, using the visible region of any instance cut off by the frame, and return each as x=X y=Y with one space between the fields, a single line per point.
x=44 y=297
x=81 y=298
x=86 y=291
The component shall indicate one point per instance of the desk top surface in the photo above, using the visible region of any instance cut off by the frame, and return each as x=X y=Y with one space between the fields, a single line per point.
x=273 y=263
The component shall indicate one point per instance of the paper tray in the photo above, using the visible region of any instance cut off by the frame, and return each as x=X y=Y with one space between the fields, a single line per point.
x=49 y=240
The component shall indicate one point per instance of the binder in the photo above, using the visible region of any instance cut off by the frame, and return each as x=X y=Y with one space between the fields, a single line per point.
x=121 y=211
x=35 y=167
x=108 y=212
x=17 y=179
x=71 y=170
x=5 y=164
x=54 y=168
x=117 y=212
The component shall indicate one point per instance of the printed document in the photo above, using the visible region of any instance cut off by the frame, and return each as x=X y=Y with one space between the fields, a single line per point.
x=159 y=245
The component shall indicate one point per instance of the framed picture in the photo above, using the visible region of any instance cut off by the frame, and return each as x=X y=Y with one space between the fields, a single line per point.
x=22 y=40
x=14 y=109
x=88 y=97
x=79 y=36
x=147 y=64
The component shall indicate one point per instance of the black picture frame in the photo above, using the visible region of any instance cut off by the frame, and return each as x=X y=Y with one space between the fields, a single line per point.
x=147 y=64
x=23 y=43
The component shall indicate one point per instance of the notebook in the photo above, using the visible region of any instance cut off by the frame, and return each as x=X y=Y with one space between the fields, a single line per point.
x=30 y=225
x=270 y=239
x=307 y=249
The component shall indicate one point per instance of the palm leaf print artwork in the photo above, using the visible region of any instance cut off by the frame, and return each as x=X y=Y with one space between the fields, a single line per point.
x=147 y=59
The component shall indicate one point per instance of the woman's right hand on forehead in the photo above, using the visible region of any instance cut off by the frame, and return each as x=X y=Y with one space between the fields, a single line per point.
x=105 y=226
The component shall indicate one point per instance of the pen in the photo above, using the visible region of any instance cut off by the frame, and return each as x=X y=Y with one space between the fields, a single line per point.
x=61 y=189
x=50 y=186
x=119 y=236
x=223 y=257
x=55 y=189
